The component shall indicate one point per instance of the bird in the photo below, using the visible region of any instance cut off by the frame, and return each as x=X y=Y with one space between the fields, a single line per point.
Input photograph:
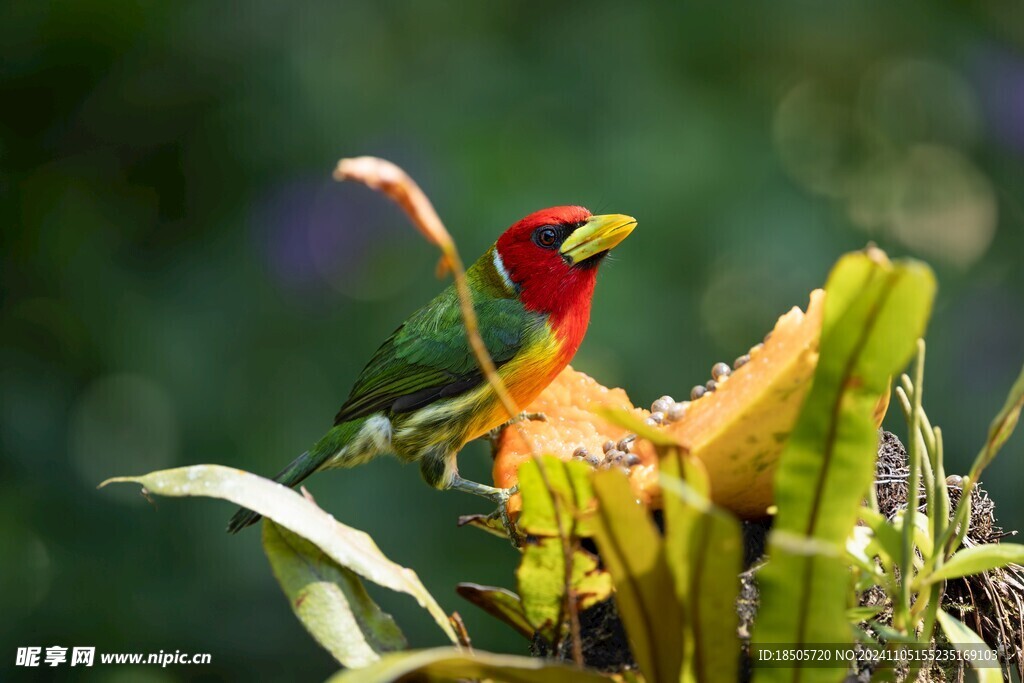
x=422 y=396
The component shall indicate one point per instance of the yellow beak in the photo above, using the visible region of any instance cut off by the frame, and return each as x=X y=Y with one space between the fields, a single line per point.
x=597 y=235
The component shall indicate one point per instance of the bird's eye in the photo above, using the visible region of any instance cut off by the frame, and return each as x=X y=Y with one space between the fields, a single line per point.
x=546 y=236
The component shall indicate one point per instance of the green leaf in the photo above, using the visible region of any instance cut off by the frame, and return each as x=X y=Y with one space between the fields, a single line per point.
x=704 y=551
x=350 y=548
x=574 y=496
x=858 y=614
x=887 y=537
x=330 y=600
x=964 y=639
x=979 y=559
x=500 y=603
x=860 y=551
x=448 y=664
x=1001 y=428
x=921 y=532
x=890 y=634
x=818 y=574
x=541 y=574
x=875 y=310
x=541 y=580
x=628 y=420
x=634 y=553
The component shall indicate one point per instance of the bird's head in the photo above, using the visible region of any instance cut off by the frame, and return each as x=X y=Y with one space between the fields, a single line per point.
x=552 y=255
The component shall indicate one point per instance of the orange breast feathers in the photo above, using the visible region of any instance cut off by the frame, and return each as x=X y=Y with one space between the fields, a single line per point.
x=525 y=376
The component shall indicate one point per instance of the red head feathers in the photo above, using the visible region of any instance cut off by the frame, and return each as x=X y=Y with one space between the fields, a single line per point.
x=551 y=257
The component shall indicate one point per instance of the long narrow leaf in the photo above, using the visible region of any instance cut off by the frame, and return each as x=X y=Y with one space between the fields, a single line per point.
x=350 y=548
x=1001 y=428
x=979 y=559
x=500 y=603
x=329 y=600
x=634 y=553
x=874 y=312
x=704 y=551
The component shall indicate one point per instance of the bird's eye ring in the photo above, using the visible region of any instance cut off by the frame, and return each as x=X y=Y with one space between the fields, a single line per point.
x=546 y=236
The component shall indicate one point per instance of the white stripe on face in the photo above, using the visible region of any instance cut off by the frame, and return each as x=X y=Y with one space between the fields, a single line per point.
x=499 y=265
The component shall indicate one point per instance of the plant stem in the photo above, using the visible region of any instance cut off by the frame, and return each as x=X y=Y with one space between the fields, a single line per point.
x=914 y=459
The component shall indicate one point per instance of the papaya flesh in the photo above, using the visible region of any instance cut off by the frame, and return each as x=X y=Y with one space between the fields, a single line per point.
x=568 y=404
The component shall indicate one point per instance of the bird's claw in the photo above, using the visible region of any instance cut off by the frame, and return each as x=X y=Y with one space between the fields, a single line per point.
x=502 y=498
x=495 y=433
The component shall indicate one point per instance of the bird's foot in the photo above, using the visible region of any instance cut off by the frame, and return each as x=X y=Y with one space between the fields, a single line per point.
x=495 y=495
x=495 y=433
x=506 y=521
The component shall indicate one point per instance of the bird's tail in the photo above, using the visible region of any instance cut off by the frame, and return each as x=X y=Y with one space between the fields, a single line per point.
x=303 y=466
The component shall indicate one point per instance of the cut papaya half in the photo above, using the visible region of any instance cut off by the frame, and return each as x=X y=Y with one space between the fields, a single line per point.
x=738 y=430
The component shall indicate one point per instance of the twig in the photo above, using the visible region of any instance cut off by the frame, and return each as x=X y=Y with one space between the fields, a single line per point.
x=455 y=619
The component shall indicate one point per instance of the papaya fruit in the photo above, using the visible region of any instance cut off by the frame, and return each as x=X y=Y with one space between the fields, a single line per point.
x=737 y=425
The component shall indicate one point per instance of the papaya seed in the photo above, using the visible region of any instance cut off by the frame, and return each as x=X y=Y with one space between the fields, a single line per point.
x=697 y=392
x=677 y=411
x=720 y=370
x=662 y=404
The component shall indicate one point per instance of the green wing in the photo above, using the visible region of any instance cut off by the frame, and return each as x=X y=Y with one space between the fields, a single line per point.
x=428 y=357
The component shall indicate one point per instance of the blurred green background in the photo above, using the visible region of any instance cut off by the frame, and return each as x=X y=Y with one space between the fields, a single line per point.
x=182 y=282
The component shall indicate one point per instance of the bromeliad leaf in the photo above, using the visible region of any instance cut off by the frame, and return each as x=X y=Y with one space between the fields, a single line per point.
x=500 y=603
x=819 y=575
x=350 y=548
x=634 y=553
x=330 y=600
x=875 y=310
x=979 y=559
x=448 y=664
